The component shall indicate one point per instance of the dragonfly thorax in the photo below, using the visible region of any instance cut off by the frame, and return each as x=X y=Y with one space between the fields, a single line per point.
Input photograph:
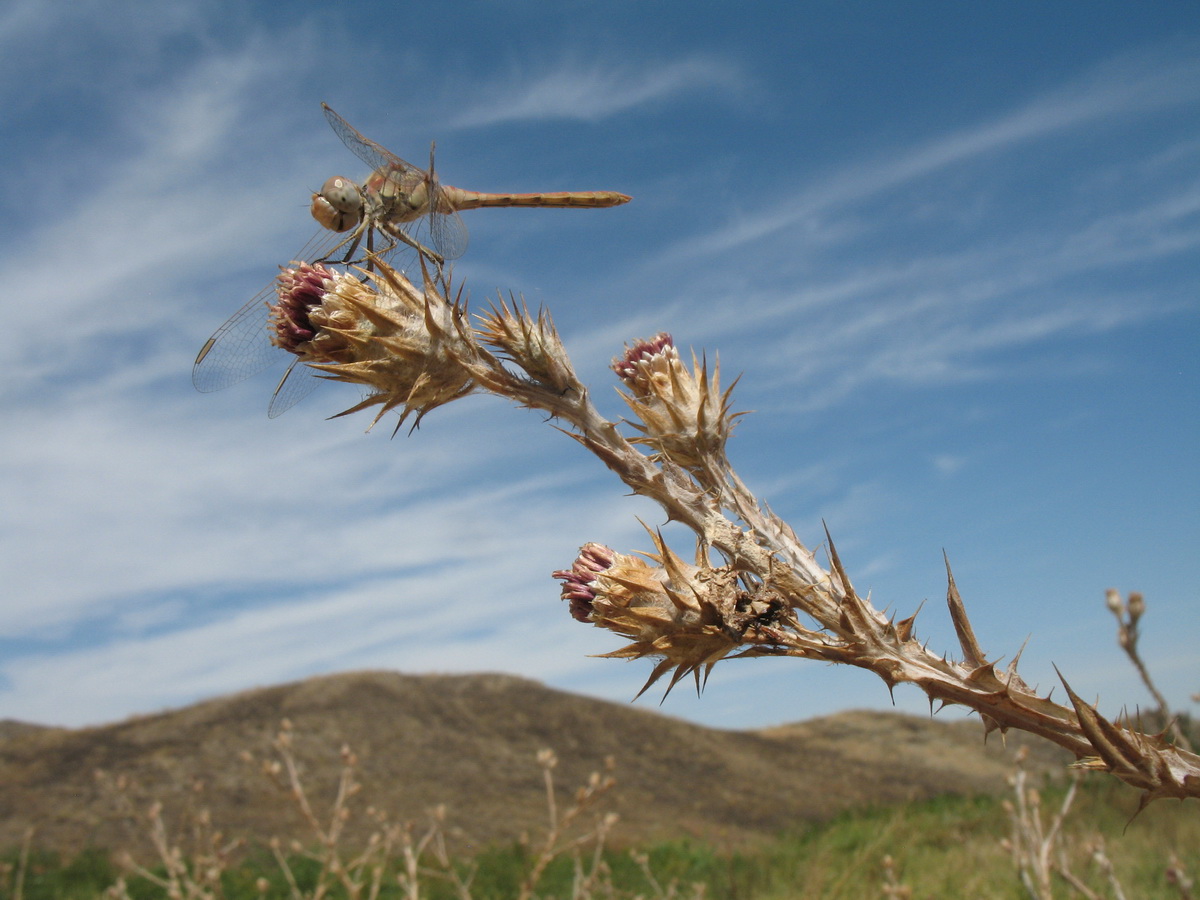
x=338 y=206
x=402 y=196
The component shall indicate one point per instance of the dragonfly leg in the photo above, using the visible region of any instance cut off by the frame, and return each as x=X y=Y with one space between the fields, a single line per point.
x=357 y=239
x=399 y=235
x=351 y=243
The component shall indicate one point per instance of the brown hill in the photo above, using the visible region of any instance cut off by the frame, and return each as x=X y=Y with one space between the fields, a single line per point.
x=470 y=742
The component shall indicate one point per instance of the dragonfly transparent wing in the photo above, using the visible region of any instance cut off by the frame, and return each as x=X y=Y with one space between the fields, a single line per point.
x=444 y=233
x=242 y=347
x=239 y=348
x=447 y=231
x=364 y=148
x=297 y=383
x=448 y=234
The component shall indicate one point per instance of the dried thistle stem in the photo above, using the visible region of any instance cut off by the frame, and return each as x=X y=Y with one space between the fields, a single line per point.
x=768 y=596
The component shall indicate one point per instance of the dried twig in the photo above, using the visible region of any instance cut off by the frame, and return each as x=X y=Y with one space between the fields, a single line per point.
x=362 y=874
x=13 y=876
x=193 y=871
x=359 y=874
x=893 y=887
x=1037 y=845
x=1128 y=614
x=557 y=840
x=1178 y=877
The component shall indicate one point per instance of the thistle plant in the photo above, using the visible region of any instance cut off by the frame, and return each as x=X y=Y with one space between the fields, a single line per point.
x=748 y=586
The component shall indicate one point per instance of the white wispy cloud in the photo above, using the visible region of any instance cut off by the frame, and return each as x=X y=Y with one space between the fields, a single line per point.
x=598 y=91
x=466 y=582
x=133 y=507
x=937 y=310
x=158 y=221
x=1123 y=89
x=85 y=50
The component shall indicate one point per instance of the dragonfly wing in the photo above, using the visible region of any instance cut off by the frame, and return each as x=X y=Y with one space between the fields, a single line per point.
x=242 y=346
x=239 y=348
x=297 y=383
x=404 y=256
x=448 y=234
x=364 y=148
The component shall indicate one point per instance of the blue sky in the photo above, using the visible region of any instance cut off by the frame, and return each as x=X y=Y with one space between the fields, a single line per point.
x=951 y=249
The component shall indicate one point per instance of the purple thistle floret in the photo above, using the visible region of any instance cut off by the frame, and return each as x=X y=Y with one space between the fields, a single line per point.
x=299 y=290
x=626 y=366
x=578 y=581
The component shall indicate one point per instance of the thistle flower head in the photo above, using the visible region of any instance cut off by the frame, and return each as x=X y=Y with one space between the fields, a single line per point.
x=682 y=414
x=641 y=361
x=298 y=290
x=401 y=342
x=579 y=581
x=668 y=608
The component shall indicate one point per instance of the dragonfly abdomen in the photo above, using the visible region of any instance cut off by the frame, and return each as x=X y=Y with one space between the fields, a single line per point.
x=461 y=199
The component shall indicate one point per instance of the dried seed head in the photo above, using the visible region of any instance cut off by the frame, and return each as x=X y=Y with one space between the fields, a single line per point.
x=1112 y=599
x=531 y=343
x=683 y=415
x=401 y=342
x=667 y=607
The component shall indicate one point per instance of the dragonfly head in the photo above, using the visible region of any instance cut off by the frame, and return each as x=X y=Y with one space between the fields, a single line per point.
x=338 y=205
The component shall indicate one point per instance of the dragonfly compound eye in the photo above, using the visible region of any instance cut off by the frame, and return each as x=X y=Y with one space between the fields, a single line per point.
x=338 y=205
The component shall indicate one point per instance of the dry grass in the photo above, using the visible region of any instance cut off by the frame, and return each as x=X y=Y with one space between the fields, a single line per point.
x=195 y=863
x=948 y=847
x=466 y=742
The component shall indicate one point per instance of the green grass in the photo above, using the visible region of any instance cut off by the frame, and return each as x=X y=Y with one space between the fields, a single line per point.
x=948 y=847
x=47 y=876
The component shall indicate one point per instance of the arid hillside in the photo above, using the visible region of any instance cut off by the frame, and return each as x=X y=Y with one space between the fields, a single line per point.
x=470 y=742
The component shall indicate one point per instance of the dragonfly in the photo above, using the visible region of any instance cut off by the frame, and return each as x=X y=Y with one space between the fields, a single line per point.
x=400 y=212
